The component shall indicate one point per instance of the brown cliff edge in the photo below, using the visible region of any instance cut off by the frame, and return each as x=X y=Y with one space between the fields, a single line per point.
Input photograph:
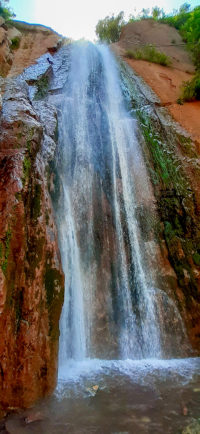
x=166 y=82
x=31 y=277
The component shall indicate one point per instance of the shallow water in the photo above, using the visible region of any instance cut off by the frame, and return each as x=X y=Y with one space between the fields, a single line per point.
x=146 y=396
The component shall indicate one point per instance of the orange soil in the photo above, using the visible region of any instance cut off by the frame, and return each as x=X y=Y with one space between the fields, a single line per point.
x=166 y=83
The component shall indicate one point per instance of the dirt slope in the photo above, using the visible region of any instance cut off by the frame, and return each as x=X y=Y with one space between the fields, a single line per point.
x=165 y=81
x=164 y=37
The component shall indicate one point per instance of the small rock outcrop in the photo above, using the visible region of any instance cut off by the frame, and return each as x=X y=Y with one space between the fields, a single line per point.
x=22 y=43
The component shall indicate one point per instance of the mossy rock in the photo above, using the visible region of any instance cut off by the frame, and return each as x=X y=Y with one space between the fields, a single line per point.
x=5 y=250
x=192 y=428
x=196 y=258
x=54 y=286
x=42 y=87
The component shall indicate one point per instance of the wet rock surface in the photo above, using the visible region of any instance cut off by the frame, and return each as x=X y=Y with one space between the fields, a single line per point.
x=31 y=277
x=141 y=399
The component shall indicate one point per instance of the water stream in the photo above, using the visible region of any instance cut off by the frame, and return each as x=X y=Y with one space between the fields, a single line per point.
x=111 y=308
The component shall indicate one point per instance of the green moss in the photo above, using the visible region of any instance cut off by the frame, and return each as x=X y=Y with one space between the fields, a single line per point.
x=28 y=145
x=5 y=250
x=19 y=135
x=18 y=196
x=54 y=287
x=26 y=169
x=18 y=309
x=34 y=254
x=176 y=199
x=196 y=258
x=167 y=169
x=176 y=203
x=165 y=165
x=55 y=193
x=15 y=43
x=56 y=132
x=169 y=232
x=36 y=202
x=154 y=176
x=42 y=87
x=47 y=218
x=30 y=134
x=186 y=146
x=193 y=427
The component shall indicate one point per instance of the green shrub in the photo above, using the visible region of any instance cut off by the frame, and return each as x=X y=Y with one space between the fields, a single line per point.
x=42 y=87
x=15 y=43
x=188 y=24
x=196 y=258
x=150 y=53
x=191 y=89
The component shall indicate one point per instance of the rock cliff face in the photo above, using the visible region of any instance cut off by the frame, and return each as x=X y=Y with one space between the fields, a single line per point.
x=31 y=278
x=21 y=44
x=173 y=164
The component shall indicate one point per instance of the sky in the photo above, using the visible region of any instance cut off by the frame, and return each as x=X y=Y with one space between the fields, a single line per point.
x=77 y=19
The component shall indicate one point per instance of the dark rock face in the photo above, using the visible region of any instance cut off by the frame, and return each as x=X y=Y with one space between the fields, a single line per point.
x=31 y=278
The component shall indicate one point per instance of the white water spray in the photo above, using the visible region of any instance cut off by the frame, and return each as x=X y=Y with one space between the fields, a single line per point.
x=110 y=308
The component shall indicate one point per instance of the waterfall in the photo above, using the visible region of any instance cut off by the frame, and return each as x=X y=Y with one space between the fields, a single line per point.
x=111 y=308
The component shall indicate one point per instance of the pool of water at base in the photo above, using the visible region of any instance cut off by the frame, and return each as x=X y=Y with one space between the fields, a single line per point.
x=117 y=397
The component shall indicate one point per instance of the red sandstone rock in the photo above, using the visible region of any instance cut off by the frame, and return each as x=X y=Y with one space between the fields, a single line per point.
x=31 y=278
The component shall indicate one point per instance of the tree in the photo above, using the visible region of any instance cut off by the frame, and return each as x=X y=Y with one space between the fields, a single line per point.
x=184 y=8
x=5 y=11
x=109 y=29
x=157 y=12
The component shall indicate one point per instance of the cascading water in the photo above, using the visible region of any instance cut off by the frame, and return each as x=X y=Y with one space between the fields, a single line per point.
x=110 y=308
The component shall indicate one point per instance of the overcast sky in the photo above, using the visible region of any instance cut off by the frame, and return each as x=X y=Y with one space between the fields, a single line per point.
x=77 y=19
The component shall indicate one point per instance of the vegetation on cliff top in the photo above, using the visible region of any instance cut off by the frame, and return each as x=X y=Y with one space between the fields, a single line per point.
x=188 y=24
x=150 y=53
x=5 y=11
x=109 y=29
x=186 y=21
